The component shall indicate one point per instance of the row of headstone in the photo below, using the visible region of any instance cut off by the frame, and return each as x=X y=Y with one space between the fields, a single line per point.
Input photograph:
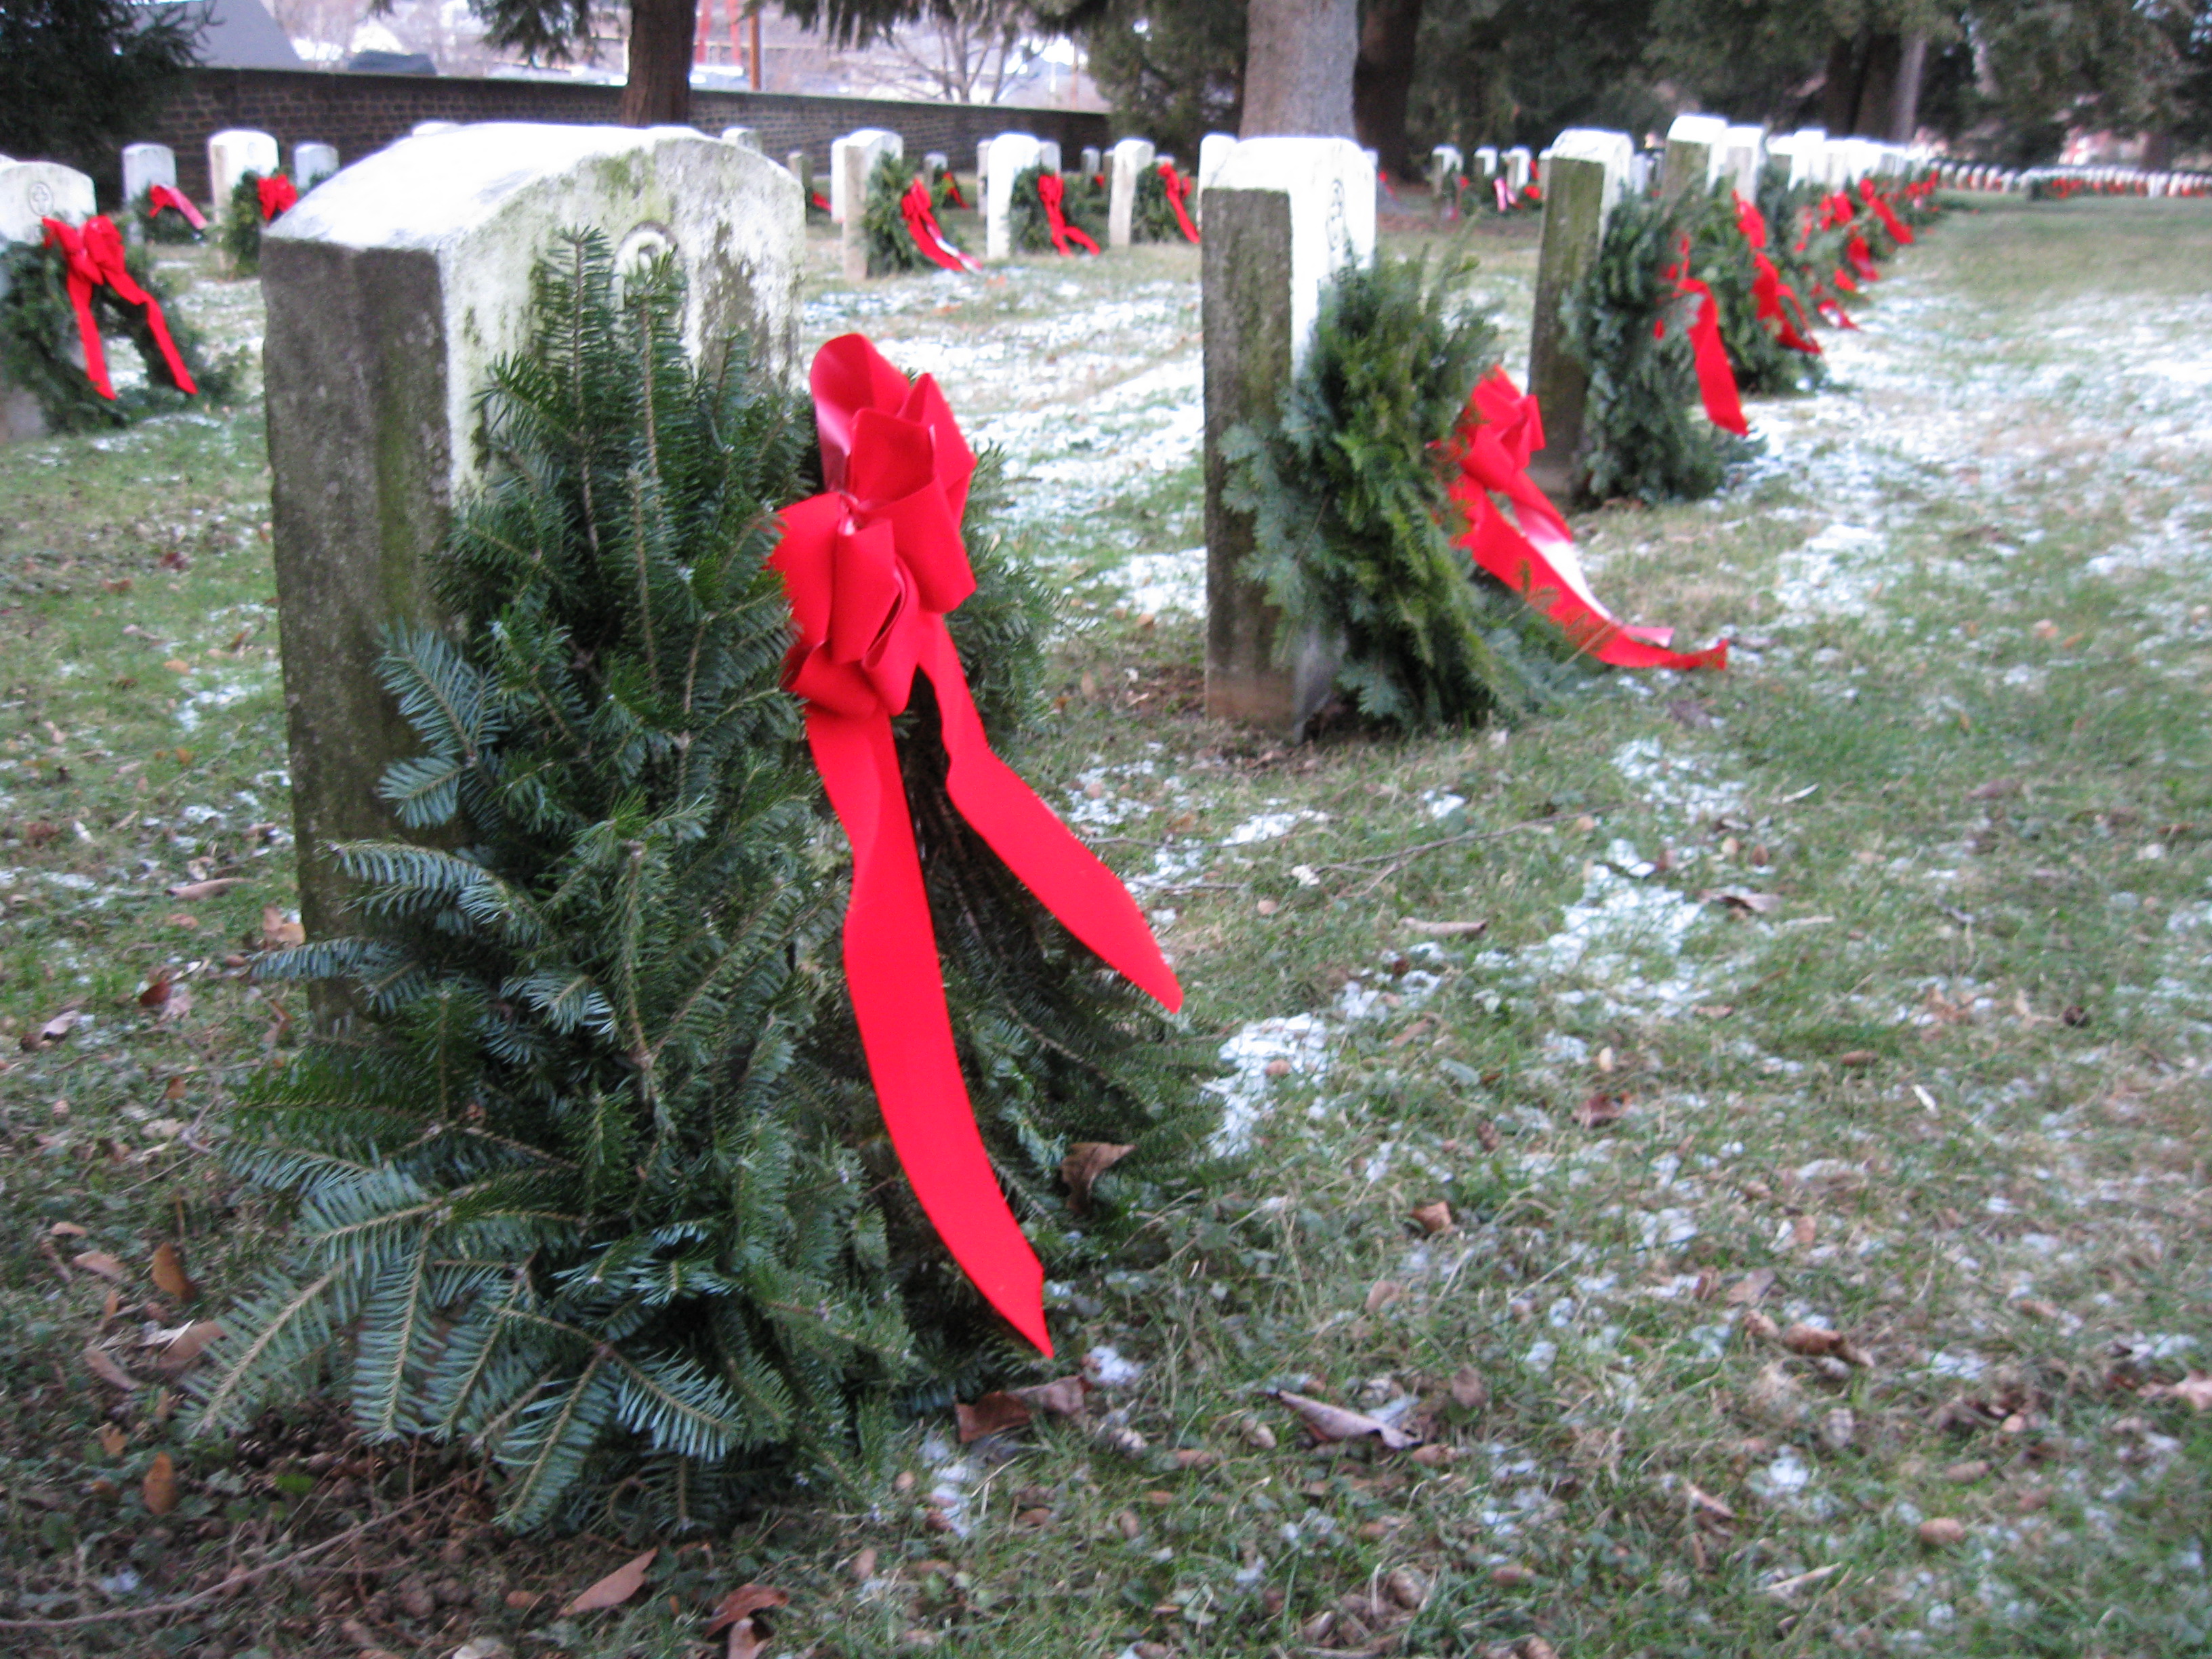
x=1449 y=164
x=2129 y=181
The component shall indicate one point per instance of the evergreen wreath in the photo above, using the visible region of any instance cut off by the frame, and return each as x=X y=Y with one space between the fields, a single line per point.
x=39 y=337
x=1644 y=435
x=168 y=226
x=1793 y=217
x=1151 y=215
x=1083 y=205
x=242 y=222
x=596 y=1182
x=1354 y=528
x=1721 y=257
x=891 y=244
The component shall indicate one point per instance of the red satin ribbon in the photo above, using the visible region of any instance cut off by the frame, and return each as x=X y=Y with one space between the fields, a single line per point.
x=1499 y=430
x=160 y=196
x=1836 y=208
x=1534 y=192
x=815 y=199
x=871 y=566
x=1768 y=290
x=94 y=257
x=1862 y=258
x=1503 y=192
x=1715 y=379
x=1883 y=211
x=278 y=195
x=952 y=196
x=1177 y=188
x=1052 y=188
x=922 y=225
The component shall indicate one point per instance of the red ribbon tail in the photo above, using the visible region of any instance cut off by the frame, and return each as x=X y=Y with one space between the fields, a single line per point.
x=1715 y=379
x=1043 y=853
x=87 y=334
x=897 y=987
x=1077 y=233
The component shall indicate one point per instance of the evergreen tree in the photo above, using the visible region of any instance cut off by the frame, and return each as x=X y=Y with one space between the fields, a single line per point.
x=79 y=77
x=593 y=1180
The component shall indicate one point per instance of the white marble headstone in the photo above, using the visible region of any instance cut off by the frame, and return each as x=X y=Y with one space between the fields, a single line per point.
x=312 y=163
x=1012 y=153
x=1330 y=183
x=234 y=153
x=747 y=138
x=1518 y=164
x=1126 y=163
x=31 y=191
x=145 y=166
x=1743 y=153
x=1807 y=158
x=431 y=129
x=876 y=142
x=1048 y=155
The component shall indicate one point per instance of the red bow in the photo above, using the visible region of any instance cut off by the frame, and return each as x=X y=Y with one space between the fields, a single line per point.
x=1534 y=192
x=816 y=200
x=1177 y=187
x=1715 y=379
x=1051 y=190
x=1499 y=430
x=1861 y=258
x=95 y=256
x=871 y=566
x=160 y=196
x=277 y=196
x=922 y=225
x=1836 y=208
x=1768 y=290
x=1883 y=211
x=952 y=196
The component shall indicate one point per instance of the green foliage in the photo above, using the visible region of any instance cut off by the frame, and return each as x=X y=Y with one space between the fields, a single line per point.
x=1173 y=73
x=79 y=77
x=1151 y=215
x=594 y=1181
x=39 y=335
x=241 y=223
x=1644 y=435
x=1348 y=493
x=1084 y=206
x=1517 y=72
x=1721 y=258
x=170 y=227
x=892 y=246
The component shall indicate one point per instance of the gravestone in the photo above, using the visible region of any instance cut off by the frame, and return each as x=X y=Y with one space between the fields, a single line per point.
x=982 y=169
x=1445 y=165
x=1589 y=169
x=234 y=153
x=1092 y=165
x=1693 y=154
x=1485 y=162
x=800 y=165
x=312 y=163
x=432 y=129
x=744 y=137
x=31 y=191
x=390 y=291
x=934 y=166
x=1808 y=163
x=854 y=156
x=1286 y=215
x=1012 y=153
x=875 y=140
x=1213 y=152
x=1518 y=164
x=1048 y=155
x=145 y=166
x=1125 y=163
x=1743 y=153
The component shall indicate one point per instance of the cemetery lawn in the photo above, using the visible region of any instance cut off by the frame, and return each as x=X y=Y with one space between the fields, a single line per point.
x=1748 y=1127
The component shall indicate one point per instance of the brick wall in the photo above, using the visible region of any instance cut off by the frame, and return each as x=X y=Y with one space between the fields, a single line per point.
x=363 y=112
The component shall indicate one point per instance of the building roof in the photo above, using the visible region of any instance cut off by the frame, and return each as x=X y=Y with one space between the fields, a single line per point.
x=238 y=34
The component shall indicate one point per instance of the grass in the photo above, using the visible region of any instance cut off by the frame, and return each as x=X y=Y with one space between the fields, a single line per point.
x=1944 y=1099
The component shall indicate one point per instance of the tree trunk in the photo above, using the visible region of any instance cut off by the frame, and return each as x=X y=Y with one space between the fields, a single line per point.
x=1298 y=58
x=658 y=90
x=1904 y=103
x=1839 y=93
x=1877 y=101
x=1382 y=78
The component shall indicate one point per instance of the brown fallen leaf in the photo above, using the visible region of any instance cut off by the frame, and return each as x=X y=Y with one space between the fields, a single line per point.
x=1814 y=1340
x=1435 y=1216
x=1757 y=1324
x=1702 y=1499
x=1381 y=1293
x=66 y=1230
x=1445 y=929
x=277 y=933
x=1468 y=1389
x=1086 y=1162
x=1965 y=1474
x=99 y=1261
x=1063 y=1397
x=2196 y=1390
x=1753 y=1286
x=997 y=1412
x=1803 y=1229
x=1939 y=1530
x=1855 y=1058
x=157 y=990
x=159 y=1488
x=200 y=890
x=167 y=1268
x=45 y=1035
x=183 y=1352
x=745 y=1601
x=616 y=1588
x=748 y=1639
x=112 y=1439
x=1741 y=898
x=864 y=1565
x=1327 y=1422
x=1600 y=1109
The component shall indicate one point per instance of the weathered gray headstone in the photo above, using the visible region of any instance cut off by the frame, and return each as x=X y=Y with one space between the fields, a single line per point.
x=432 y=129
x=1808 y=155
x=1743 y=153
x=1589 y=169
x=982 y=169
x=800 y=165
x=933 y=164
x=1048 y=155
x=1445 y=165
x=1091 y=164
x=854 y=157
x=1012 y=153
x=1518 y=165
x=1125 y=163
x=1693 y=154
x=145 y=166
x=747 y=138
x=1213 y=152
x=31 y=191
x=312 y=163
x=390 y=291
x=234 y=153
x=1286 y=215
x=1485 y=162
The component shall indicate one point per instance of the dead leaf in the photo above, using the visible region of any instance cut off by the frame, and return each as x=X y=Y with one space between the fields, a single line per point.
x=156 y=992
x=1741 y=898
x=99 y=1261
x=66 y=1230
x=743 y=1602
x=1086 y=1162
x=1062 y=1398
x=864 y=1565
x=1997 y=789
x=1803 y=1229
x=1381 y=1293
x=159 y=1488
x=1757 y=1324
x=1751 y=1286
x=1965 y=1474
x=1941 y=1530
x=277 y=933
x=112 y=1439
x=1435 y=1216
x=2196 y=1390
x=616 y=1588
x=747 y=1640
x=1702 y=1499
x=998 y=1412
x=1445 y=929
x=176 y=664
x=1327 y=1422
x=1468 y=1389
x=1600 y=1109
x=1855 y=1058
x=1817 y=1341
x=200 y=890
x=183 y=1351
x=51 y=1032
x=167 y=1268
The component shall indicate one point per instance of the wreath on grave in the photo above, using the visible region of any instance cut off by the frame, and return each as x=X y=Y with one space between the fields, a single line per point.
x=599 y=1185
x=1358 y=537
x=41 y=351
x=1755 y=330
x=1153 y=215
x=1082 y=207
x=255 y=199
x=898 y=214
x=162 y=221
